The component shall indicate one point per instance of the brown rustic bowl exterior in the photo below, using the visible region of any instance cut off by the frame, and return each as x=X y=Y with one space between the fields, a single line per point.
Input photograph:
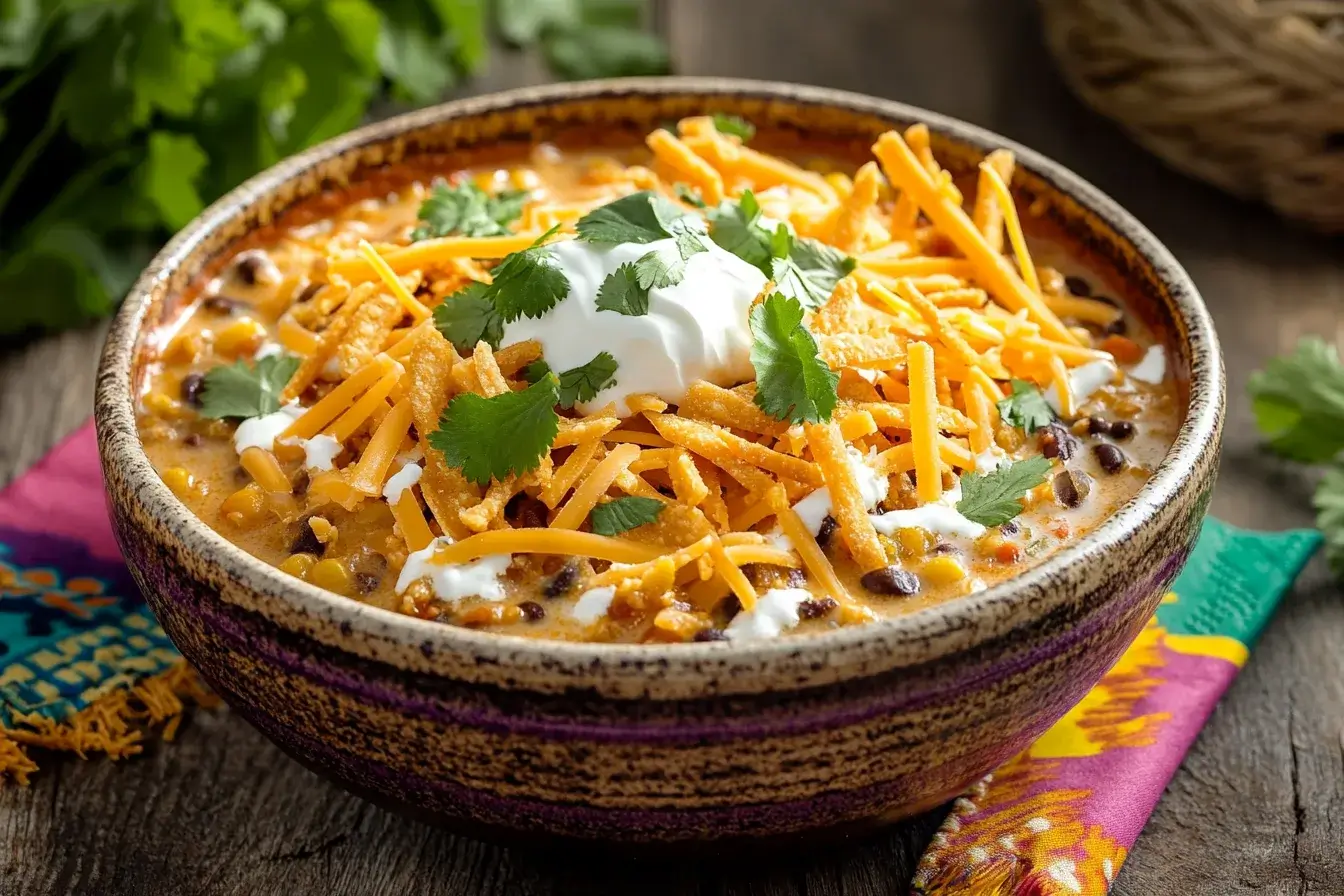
x=659 y=743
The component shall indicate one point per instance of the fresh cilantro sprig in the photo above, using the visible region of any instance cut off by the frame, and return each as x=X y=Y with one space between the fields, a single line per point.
x=689 y=195
x=992 y=499
x=1298 y=401
x=580 y=383
x=120 y=121
x=623 y=514
x=525 y=284
x=1026 y=408
x=467 y=210
x=806 y=269
x=642 y=218
x=493 y=438
x=792 y=382
x=246 y=390
x=803 y=269
x=734 y=126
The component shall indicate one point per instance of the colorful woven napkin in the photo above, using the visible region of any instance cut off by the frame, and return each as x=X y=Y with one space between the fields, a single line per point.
x=85 y=668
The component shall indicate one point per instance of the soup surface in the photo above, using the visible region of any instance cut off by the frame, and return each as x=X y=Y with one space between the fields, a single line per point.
x=688 y=391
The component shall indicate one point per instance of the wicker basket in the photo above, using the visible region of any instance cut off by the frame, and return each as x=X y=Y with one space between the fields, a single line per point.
x=1245 y=94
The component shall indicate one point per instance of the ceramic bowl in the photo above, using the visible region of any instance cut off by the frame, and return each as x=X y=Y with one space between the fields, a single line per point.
x=672 y=743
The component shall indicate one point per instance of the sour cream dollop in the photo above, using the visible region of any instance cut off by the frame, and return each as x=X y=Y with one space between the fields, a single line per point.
x=454 y=581
x=1084 y=381
x=261 y=432
x=695 y=330
x=775 y=611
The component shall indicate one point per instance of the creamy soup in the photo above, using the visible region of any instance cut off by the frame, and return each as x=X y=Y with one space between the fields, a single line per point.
x=689 y=391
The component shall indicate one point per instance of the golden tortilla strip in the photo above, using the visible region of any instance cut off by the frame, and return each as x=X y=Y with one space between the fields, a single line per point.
x=367 y=331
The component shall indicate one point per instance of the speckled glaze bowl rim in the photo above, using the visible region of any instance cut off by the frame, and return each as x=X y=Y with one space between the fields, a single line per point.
x=897 y=641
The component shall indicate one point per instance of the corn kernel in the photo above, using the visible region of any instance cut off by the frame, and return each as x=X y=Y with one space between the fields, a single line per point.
x=184 y=348
x=244 y=506
x=524 y=179
x=854 y=614
x=162 y=406
x=184 y=484
x=323 y=530
x=484 y=614
x=942 y=570
x=242 y=337
x=331 y=575
x=298 y=565
x=914 y=542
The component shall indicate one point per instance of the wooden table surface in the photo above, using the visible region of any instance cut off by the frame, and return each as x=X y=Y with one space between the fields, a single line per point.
x=1258 y=806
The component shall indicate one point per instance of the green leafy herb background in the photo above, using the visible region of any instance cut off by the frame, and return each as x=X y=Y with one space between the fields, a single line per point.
x=121 y=119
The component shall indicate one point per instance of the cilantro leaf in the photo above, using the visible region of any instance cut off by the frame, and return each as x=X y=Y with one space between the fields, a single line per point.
x=1329 y=504
x=492 y=438
x=688 y=194
x=247 y=390
x=623 y=514
x=1026 y=408
x=805 y=269
x=601 y=51
x=584 y=382
x=792 y=382
x=643 y=217
x=468 y=210
x=528 y=283
x=621 y=292
x=735 y=227
x=994 y=498
x=536 y=370
x=467 y=317
x=734 y=126
x=1298 y=400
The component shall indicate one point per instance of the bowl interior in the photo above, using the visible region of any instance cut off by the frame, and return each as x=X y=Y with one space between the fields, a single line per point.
x=1058 y=205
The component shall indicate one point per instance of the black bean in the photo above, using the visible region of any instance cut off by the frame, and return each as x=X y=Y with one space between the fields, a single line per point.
x=305 y=542
x=828 y=527
x=193 y=440
x=301 y=482
x=891 y=580
x=815 y=609
x=1077 y=285
x=1010 y=528
x=1097 y=426
x=728 y=608
x=1107 y=300
x=307 y=293
x=1111 y=458
x=192 y=384
x=944 y=547
x=1117 y=327
x=1122 y=430
x=666 y=491
x=709 y=634
x=370 y=562
x=366 y=583
x=1071 y=487
x=795 y=578
x=526 y=511
x=563 y=581
x=532 y=611
x=223 y=305
x=248 y=265
x=1057 y=441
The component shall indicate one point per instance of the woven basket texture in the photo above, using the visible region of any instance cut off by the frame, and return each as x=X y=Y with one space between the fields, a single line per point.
x=1245 y=94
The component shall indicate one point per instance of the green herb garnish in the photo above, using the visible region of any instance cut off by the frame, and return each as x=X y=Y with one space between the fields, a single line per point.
x=992 y=499
x=689 y=195
x=469 y=316
x=247 y=390
x=623 y=514
x=805 y=269
x=493 y=438
x=621 y=292
x=1298 y=401
x=792 y=382
x=1026 y=408
x=734 y=126
x=468 y=210
x=582 y=383
x=736 y=228
x=642 y=218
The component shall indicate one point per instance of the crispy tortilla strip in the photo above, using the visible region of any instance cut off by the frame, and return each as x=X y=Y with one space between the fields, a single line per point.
x=992 y=269
x=704 y=440
x=445 y=490
x=573 y=432
x=487 y=371
x=687 y=483
x=686 y=165
x=481 y=516
x=367 y=331
x=709 y=403
x=859 y=350
x=327 y=343
x=564 y=478
x=581 y=503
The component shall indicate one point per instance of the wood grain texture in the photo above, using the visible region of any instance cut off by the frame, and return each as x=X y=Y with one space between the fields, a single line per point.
x=1256 y=808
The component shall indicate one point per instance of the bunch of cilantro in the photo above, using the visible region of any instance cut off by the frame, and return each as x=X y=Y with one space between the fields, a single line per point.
x=121 y=119
x=1298 y=400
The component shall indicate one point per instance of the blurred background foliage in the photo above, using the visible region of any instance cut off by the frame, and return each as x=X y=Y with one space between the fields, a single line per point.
x=121 y=119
